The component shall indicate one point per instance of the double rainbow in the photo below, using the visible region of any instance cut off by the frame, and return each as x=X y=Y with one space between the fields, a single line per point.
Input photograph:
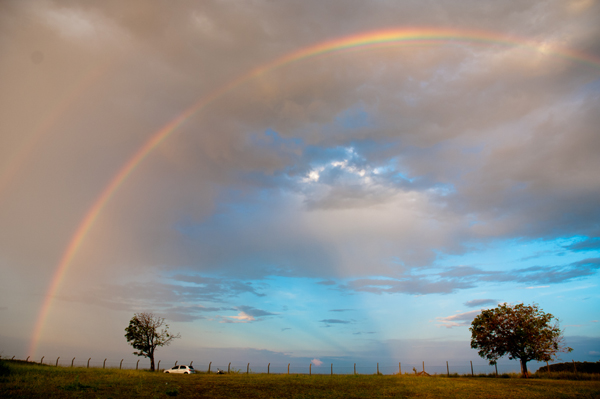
x=362 y=40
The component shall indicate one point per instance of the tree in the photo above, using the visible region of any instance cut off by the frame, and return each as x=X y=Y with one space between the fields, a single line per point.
x=520 y=331
x=144 y=335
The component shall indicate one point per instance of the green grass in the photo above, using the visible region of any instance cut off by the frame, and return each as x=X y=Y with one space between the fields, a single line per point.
x=27 y=380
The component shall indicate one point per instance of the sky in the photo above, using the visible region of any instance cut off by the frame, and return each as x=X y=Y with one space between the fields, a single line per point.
x=296 y=181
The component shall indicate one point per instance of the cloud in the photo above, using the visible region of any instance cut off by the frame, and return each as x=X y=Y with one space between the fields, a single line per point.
x=359 y=170
x=328 y=322
x=242 y=317
x=480 y=302
x=410 y=285
x=247 y=314
x=458 y=320
x=316 y=362
x=249 y=310
x=327 y=282
x=334 y=321
x=589 y=244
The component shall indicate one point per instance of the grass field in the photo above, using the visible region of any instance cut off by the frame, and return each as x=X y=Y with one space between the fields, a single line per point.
x=28 y=380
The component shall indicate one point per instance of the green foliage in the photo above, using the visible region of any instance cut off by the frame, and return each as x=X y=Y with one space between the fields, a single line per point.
x=145 y=335
x=520 y=331
x=172 y=392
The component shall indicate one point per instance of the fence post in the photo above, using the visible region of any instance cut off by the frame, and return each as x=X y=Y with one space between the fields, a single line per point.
x=42 y=361
x=331 y=368
x=176 y=362
x=73 y=361
x=191 y=363
x=472 y=369
x=269 y=369
x=13 y=358
x=136 y=365
x=547 y=368
x=104 y=364
x=27 y=358
x=496 y=367
x=310 y=369
x=288 y=369
x=447 y=369
x=57 y=361
x=121 y=364
x=88 y=366
x=354 y=368
x=248 y=369
x=228 y=367
x=399 y=368
x=377 y=368
x=209 y=367
x=158 y=367
x=423 y=366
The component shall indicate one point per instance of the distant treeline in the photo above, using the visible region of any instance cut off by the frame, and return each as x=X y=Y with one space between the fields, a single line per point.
x=580 y=367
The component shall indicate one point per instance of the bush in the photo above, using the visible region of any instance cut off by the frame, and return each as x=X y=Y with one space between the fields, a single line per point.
x=579 y=367
x=4 y=369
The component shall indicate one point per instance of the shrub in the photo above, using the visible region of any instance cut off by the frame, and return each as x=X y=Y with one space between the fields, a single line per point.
x=4 y=369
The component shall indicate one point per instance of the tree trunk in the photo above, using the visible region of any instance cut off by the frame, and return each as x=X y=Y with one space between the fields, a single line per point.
x=151 y=362
x=524 y=367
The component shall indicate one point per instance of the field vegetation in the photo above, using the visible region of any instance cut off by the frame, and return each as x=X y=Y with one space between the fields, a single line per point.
x=30 y=380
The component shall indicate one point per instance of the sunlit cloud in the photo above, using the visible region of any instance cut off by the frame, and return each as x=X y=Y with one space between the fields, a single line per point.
x=458 y=320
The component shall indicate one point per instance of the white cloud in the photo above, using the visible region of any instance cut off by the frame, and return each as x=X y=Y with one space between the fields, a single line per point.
x=458 y=320
x=316 y=362
x=242 y=317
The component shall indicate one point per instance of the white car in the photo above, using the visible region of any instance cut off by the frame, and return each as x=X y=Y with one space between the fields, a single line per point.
x=181 y=370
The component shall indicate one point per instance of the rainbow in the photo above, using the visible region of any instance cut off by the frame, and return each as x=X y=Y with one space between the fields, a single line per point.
x=362 y=40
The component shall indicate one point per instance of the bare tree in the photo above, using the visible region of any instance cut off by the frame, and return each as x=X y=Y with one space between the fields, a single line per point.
x=144 y=335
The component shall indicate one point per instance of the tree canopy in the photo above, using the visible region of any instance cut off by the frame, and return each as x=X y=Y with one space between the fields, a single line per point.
x=144 y=335
x=523 y=332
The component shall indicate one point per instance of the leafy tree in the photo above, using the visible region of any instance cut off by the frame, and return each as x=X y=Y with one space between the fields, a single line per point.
x=144 y=335
x=520 y=331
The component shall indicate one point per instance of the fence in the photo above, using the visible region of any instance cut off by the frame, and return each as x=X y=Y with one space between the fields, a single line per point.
x=341 y=368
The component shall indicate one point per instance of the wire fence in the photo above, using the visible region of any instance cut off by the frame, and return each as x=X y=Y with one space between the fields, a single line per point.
x=340 y=368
